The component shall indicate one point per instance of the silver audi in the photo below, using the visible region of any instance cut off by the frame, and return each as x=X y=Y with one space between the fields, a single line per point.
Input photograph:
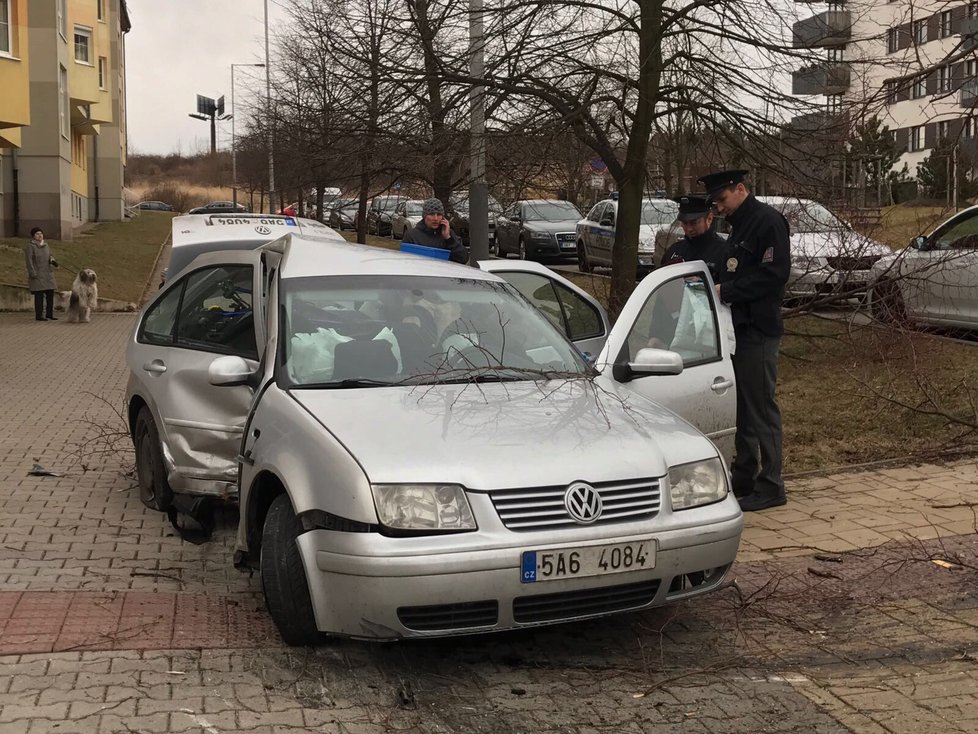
x=417 y=449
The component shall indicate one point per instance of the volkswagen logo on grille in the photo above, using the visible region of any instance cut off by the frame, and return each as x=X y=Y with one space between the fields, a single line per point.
x=262 y=229
x=583 y=503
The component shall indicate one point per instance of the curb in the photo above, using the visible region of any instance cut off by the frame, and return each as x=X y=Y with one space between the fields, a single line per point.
x=153 y=274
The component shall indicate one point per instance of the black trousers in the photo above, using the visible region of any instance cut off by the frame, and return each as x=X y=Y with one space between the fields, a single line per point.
x=43 y=304
x=757 y=462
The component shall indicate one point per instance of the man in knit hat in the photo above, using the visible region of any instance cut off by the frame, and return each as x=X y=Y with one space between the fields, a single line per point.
x=434 y=231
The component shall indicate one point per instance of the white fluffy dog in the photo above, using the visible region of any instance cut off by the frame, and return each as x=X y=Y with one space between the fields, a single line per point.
x=84 y=296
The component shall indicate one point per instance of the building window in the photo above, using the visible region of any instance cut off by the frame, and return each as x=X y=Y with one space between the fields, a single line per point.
x=944 y=79
x=100 y=9
x=945 y=24
x=920 y=31
x=969 y=128
x=62 y=9
x=972 y=10
x=890 y=92
x=63 y=102
x=919 y=87
x=943 y=130
x=102 y=71
x=83 y=44
x=916 y=138
x=5 y=43
x=891 y=41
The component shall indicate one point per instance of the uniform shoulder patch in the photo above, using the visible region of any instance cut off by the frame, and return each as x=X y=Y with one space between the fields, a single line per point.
x=768 y=256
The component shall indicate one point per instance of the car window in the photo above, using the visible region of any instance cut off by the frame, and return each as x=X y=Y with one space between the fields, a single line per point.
x=161 y=318
x=216 y=311
x=961 y=235
x=565 y=309
x=659 y=212
x=550 y=211
x=416 y=330
x=679 y=316
x=595 y=214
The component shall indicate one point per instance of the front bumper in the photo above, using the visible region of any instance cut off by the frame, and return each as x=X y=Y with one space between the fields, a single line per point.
x=826 y=281
x=364 y=585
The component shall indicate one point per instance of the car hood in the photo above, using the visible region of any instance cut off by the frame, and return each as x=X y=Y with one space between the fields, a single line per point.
x=565 y=225
x=833 y=244
x=504 y=435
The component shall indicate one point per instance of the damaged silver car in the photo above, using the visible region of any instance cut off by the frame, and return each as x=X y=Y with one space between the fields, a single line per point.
x=418 y=451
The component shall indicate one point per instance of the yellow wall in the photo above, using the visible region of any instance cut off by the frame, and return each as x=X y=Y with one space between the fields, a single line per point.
x=79 y=163
x=15 y=80
x=83 y=78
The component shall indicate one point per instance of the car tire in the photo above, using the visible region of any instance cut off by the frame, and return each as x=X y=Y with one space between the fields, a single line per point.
x=154 y=489
x=523 y=249
x=283 y=577
x=886 y=303
x=493 y=248
x=583 y=264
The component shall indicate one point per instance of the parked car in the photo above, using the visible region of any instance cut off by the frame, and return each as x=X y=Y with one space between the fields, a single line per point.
x=407 y=214
x=193 y=235
x=537 y=229
x=291 y=210
x=157 y=206
x=596 y=233
x=380 y=212
x=935 y=279
x=219 y=207
x=343 y=214
x=407 y=468
x=458 y=218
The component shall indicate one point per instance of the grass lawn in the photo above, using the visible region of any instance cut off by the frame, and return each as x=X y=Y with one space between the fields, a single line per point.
x=122 y=253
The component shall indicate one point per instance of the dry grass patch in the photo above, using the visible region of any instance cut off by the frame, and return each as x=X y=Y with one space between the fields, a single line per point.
x=122 y=253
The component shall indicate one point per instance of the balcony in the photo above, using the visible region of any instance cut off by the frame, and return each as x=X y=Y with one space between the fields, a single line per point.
x=821 y=79
x=829 y=124
x=969 y=93
x=969 y=33
x=828 y=28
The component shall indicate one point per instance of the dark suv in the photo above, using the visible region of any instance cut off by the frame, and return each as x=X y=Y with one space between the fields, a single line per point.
x=379 y=214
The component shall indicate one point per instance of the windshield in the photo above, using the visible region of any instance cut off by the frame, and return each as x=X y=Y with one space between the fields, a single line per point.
x=412 y=210
x=377 y=330
x=659 y=212
x=551 y=211
x=808 y=217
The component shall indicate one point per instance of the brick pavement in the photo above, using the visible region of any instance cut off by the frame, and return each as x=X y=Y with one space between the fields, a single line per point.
x=110 y=622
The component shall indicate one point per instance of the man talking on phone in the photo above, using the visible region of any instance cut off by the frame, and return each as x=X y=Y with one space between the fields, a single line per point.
x=434 y=231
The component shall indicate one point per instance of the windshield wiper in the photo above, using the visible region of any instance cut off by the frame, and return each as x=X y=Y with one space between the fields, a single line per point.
x=484 y=377
x=346 y=384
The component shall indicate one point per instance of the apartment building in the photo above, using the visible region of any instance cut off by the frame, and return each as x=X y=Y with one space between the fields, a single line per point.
x=912 y=63
x=62 y=114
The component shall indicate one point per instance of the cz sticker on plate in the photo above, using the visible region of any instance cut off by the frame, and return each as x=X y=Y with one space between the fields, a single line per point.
x=595 y=560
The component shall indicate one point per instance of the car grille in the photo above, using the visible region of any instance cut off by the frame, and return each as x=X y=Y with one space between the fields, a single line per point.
x=569 y=604
x=568 y=237
x=450 y=616
x=538 y=508
x=846 y=262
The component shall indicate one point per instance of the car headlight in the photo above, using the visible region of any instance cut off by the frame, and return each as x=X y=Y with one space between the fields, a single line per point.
x=806 y=263
x=540 y=236
x=436 y=507
x=699 y=483
x=646 y=245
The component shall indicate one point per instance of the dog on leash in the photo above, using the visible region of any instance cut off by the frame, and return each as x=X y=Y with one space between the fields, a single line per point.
x=84 y=297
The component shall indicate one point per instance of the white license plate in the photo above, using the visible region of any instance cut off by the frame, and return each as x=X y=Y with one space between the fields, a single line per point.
x=595 y=560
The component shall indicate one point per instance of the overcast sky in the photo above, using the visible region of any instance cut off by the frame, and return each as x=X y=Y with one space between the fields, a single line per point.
x=178 y=49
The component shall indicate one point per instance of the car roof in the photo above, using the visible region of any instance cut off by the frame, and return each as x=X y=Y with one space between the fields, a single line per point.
x=304 y=256
x=200 y=229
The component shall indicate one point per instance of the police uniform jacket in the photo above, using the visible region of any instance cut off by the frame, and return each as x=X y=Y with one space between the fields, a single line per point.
x=422 y=235
x=756 y=268
x=708 y=247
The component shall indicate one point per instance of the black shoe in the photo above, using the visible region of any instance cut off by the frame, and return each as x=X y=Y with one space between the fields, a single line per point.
x=40 y=318
x=52 y=318
x=741 y=491
x=762 y=501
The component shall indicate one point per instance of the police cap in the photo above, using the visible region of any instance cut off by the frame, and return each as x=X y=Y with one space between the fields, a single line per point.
x=692 y=207
x=716 y=182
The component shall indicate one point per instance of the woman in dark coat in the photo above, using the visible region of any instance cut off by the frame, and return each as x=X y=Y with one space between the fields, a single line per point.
x=40 y=275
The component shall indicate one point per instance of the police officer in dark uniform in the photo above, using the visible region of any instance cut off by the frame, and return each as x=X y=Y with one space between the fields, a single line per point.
x=755 y=271
x=701 y=241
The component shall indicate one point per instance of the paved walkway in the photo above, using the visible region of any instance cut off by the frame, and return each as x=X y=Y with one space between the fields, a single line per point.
x=110 y=622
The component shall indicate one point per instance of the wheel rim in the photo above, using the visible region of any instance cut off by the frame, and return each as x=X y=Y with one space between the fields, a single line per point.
x=581 y=258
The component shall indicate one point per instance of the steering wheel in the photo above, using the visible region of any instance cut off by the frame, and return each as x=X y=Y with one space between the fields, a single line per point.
x=469 y=358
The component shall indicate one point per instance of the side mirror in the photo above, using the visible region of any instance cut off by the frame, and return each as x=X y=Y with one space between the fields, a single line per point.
x=918 y=242
x=650 y=361
x=608 y=221
x=230 y=371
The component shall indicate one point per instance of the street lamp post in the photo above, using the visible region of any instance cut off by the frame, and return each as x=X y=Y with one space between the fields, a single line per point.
x=234 y=148
x=268 y=112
